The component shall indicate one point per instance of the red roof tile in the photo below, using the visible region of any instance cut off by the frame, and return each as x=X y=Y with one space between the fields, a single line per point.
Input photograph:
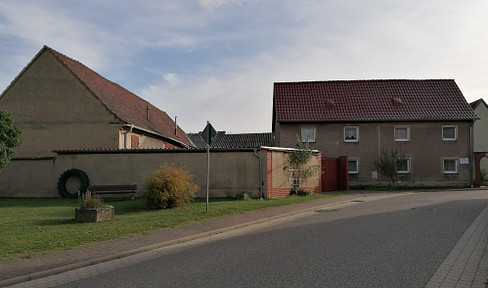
x=124 y=104
x=370 y=100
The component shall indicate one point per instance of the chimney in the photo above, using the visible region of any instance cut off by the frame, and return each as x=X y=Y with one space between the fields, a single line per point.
x=176 y=127
x=147 y=112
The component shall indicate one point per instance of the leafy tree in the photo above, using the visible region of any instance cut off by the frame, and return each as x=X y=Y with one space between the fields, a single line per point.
x=9 y=138
x=298 y=159
x=386 y=163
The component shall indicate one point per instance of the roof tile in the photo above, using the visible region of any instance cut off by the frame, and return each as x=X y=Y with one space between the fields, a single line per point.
x=127 y=106
x=370 y=100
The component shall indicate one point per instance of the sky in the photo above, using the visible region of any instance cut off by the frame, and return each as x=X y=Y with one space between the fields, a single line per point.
x=217 y=60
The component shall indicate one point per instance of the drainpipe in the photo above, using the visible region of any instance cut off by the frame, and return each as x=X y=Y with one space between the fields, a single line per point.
x=261 y=193
x=471 y=155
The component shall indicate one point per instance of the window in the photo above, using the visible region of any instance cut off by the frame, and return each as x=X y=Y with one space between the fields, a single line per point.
x=403 y=166
x=308 y=134
x=351 y=134
x=449 y=133
x=402 y=133
x=450 y=166
x=353 y=166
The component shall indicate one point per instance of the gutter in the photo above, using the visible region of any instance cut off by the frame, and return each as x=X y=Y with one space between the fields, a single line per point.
x=132 y=126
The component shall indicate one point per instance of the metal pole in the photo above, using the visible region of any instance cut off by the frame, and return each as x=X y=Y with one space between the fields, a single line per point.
x=208 y=174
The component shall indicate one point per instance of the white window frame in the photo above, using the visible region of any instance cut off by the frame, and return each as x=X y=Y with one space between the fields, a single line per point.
x=357 y=134
x=303 y=129
x=408 y=167
x=402 y=127
x=455 y=132
x=357 y=166
x=456 y=161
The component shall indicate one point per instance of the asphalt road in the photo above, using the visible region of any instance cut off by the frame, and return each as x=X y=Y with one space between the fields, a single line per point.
x=394 y=242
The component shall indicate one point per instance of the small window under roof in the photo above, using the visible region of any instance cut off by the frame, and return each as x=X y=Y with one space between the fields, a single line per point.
x=331 y=103
x=397 y=102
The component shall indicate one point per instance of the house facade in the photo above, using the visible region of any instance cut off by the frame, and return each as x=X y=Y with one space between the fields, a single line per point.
x=481 y=136
x=59 y=103
x=428 y=121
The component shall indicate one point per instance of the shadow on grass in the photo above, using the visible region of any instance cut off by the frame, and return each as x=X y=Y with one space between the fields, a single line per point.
x=61 y=221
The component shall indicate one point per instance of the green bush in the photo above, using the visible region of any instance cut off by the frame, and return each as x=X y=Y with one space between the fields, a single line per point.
x=484 y=177
x=170 y=187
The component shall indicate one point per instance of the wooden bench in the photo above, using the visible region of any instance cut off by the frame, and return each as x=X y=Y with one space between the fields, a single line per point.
x=114 y=189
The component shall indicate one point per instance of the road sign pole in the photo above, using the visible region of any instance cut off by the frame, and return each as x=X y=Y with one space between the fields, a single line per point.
x=208 y=174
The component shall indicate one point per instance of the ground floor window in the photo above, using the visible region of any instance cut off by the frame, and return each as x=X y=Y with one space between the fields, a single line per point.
x=353 y=166
x=450 y=166
x=403 y=166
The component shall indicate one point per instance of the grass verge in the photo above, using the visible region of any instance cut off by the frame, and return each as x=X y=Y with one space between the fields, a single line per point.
x=31 y=227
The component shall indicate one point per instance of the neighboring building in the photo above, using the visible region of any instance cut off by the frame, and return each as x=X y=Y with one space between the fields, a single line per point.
x=429 y=120
x=237 y=140
x=59 y=103
x=481 y=135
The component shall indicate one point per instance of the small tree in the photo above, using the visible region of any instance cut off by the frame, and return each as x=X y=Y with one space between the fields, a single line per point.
x=298 y=159
x=9 y=138
x=386 y=163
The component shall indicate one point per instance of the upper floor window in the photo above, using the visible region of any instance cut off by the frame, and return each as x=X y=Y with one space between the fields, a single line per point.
x=450 y=166
x=308 y=134
x=353 y=166
x=449 y=132
x=402 y=133
x=351 y=134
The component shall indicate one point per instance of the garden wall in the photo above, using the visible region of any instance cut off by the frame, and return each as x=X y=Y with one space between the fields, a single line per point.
x=232 y=171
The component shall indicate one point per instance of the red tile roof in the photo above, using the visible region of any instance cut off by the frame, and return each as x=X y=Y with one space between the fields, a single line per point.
x=370 y=100
x=124 y=104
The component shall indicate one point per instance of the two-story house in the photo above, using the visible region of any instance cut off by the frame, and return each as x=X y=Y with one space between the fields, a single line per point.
x=429 y=121
x=59 y=103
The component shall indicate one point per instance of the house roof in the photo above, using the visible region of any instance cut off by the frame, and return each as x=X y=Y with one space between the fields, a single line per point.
x=124 y=104
x=370 y=100
x=240 y=140
x=476 y=103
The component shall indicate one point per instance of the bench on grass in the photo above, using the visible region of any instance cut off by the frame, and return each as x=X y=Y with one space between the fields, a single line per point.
x=114 y=189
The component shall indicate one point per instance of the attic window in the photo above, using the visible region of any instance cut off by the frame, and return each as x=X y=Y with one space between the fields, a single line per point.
x=397 y=102
x=331 y=103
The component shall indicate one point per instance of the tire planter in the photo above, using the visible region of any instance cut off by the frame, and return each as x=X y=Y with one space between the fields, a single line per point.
x=80 y=174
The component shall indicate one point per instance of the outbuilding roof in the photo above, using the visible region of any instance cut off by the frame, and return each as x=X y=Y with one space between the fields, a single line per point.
x=370 y=100
x=238 y=140
x=124 y=104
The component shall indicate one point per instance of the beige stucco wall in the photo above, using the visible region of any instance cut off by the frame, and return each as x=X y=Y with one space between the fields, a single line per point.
x=426 y=149
x=231 y=173
x=281 y=174
x=145 y=142
x=481 y=133
x=481 y=129
x=55 y=111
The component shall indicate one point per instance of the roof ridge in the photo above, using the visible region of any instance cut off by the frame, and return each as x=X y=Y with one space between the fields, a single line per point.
x=364 y=80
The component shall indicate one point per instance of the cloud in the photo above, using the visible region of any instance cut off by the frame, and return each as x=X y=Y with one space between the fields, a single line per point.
x=217 y=60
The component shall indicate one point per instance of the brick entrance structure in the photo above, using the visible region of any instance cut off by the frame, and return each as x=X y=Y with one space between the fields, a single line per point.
x=477 y=173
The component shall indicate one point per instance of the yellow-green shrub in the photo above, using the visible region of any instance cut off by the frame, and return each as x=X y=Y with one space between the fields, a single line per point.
x=170 y=187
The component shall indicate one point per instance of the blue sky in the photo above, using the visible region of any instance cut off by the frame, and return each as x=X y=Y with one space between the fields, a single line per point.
x=217 y=60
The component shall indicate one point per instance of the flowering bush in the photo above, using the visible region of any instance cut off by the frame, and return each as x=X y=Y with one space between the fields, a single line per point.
x=170 y=187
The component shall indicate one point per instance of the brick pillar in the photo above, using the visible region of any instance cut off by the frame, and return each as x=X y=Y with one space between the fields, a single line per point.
x=477 y=173
x=343 y=173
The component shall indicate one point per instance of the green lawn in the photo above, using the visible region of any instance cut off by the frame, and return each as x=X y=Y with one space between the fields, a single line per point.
x=34 y=226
